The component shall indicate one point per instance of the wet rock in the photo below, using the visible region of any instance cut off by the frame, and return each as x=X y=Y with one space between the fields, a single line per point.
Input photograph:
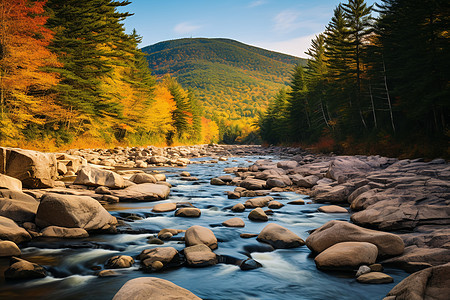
x=376 y=268
x=275 y=182
x=297 y=202
x=11 y=183
x=279 y=237
x=65 y=233
x=363 y=270
x=275 y=204
x=238 y=207
x=248 y=235
x=10 y=231
x=249 y=264
x=171 y=231
x=185 y=174
x=196 y=235
x=188 y=212
x=119 y=262
x=254 y=193
x=34 y=169
x=234 y=222
x=162 y=254
x=417 y=258
x=8 y=248
x=164 y=207
x=217 y=181
x=97 y=177
x=73 y=212
x=233 y=195
x=143 y=192
x=226 y=178
x=258 y=202
x=253 y=184
x=107 y=273
x=334 y=232
x=200 y=256
x=258 y=214
x=431 y=283
x=152 y=288
x=156 y=266
x=375 y=278
x=20 y=210
x=155 y=241
x=332 y=209
x=143 y=178
x=22 y=269
x=346 y=256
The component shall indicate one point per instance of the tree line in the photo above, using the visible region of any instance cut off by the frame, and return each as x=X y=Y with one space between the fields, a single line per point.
x=371 y=84
x=69 y=74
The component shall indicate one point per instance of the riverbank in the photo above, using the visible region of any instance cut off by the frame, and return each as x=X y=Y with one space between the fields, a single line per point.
x=408 y=197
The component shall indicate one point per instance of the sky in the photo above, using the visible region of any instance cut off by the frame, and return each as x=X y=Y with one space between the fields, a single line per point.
x=285 y=26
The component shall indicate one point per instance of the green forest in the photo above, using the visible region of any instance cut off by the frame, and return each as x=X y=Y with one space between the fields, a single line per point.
x=372 y=84
x=233 y=80
x=71 y=77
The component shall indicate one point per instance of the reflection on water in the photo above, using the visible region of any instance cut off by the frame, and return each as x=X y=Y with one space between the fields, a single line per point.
x=286 y=274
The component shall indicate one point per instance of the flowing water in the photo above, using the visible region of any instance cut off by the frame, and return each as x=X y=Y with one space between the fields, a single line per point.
x=286 y=273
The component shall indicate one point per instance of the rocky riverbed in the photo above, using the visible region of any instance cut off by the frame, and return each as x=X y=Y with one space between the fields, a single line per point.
x=377 y=213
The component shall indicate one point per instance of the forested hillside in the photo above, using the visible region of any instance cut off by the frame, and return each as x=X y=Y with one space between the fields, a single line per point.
x=233 y=80
x=372 y=85
x=70 y=75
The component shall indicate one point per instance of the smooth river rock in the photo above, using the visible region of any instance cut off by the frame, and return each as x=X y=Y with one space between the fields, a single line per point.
x=144 y=288
x=196 y=235
x=73 y=212
x=188 y=212
x=258 y=202
x=375 y=278
x=10 y=183
x=34 y=169
x=143 y=192
x=279 y=237
x=234 y=222
x=258 y=214
x=10 y=231
x=8 y=248
x=162 y=254
x=20 y=210
x=332 y=209
x=22 y=269
x=200 y=256
x=431 y=283
x=119 y=262
x=143 y=178
x=164 y=207
x=62 y=232
x=334 y=232
x=347 y=256
x=98 y=177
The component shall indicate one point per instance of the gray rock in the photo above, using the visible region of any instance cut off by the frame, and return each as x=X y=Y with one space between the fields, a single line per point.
x=143 y=192
x=97 y=177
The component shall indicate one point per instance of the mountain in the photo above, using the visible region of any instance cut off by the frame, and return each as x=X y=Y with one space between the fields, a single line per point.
x=232 y=79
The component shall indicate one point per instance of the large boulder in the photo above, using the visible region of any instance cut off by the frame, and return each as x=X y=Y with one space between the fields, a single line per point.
x=98 y=177
x=347 y=256
x=258 y=215
x=200 y=256
x=144 y=288
x=143 y=192
x=279 y=237
x=10 y=231
x=10 y=183
x=196 y=235
x=8 y=248
x=23 y=210
x=344 y=167
x=431 y=283
x=22 y=269
x=73 y=212
x=35 y=169
x=334 y=232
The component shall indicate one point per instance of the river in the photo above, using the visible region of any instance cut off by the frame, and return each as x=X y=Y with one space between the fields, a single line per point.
x=286 y=273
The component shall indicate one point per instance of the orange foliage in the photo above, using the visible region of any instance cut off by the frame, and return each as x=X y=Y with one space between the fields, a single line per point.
x=159 y=117
x=23 y=53
x=210 y=131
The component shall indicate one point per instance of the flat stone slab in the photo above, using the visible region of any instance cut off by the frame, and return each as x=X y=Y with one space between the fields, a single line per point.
x=143 y=192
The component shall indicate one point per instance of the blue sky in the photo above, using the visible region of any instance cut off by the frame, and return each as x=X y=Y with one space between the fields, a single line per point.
x=285 y=26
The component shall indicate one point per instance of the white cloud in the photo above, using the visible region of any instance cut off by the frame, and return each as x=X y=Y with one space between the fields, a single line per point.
x=186 y=27
x=286 y=21
x=296 y=46
x=257 y=3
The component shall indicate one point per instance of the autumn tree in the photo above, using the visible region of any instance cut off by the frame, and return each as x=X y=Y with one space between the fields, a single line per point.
x=25 y=100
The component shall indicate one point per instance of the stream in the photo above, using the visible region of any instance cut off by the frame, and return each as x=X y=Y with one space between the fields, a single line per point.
x=286 y=273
